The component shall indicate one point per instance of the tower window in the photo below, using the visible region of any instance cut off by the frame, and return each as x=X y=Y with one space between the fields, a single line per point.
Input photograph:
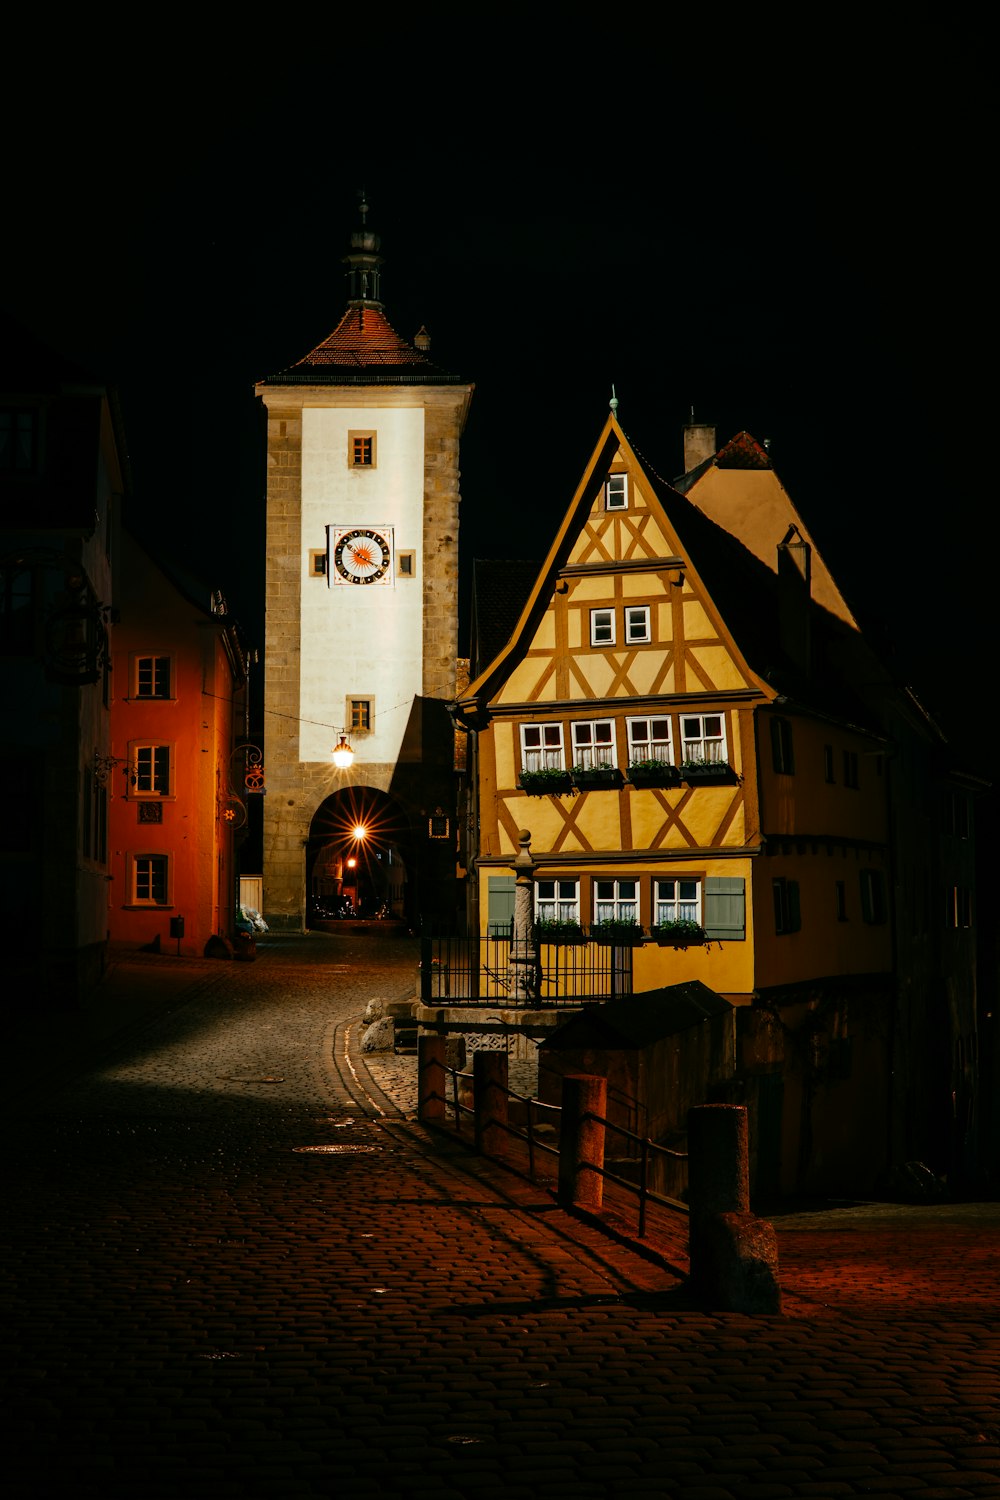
x=317 y=563
x=361 y=450
x=360 y=715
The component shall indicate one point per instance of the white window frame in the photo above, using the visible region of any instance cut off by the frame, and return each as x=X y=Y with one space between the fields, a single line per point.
x=602 y=620
x=677 y=898
x=155 y=659
x=141 y=868
x=593 y=744
x=542 y=747
x=645 y=739
x=557 y=900
x=143 y=760
x=704 y=744
x=637 y=624
x=616 y=900
x=616 y=492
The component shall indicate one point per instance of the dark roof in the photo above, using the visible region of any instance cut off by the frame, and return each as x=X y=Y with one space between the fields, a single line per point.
x=638 y=1020
x=500 y=590
x=363 y=349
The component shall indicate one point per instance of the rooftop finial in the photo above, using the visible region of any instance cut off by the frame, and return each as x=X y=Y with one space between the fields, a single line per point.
x=613 y=403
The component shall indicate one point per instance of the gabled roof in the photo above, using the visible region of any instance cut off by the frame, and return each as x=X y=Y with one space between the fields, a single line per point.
x=743 y=590
x=636 y=1021
x=363 y=349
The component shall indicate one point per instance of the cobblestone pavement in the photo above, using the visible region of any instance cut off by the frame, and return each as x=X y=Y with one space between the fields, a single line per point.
x=234 y=1267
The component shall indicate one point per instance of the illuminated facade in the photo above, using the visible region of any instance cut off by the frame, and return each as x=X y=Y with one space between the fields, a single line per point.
x=362 y=586
x=697 y=739
x=179 y=703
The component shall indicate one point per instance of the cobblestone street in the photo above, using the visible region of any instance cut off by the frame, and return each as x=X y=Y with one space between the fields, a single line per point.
x=235 y=1267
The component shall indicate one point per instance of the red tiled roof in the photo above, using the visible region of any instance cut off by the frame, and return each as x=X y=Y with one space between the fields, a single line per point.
x=742 y=452
x=364 y=336
x=363 y=349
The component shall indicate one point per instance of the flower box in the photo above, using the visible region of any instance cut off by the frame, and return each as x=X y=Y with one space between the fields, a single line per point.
x=653 y=773
x=544 y=783
x=559 y=932
x=596 y=776
x=707 y=770
x=679 y=934
x=617 y=934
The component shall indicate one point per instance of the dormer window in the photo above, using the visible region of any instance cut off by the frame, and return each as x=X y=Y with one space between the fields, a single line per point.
x=616 y=492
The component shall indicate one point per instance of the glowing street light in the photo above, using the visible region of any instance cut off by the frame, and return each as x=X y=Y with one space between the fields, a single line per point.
x=343 y=755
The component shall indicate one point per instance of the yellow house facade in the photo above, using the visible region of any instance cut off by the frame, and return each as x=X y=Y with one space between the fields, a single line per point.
x=695 y=794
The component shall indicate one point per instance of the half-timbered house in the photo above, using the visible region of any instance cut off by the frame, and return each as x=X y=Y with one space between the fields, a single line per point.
x=672 y=721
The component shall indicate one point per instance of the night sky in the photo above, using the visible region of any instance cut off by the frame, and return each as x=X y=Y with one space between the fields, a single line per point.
x=783 y=228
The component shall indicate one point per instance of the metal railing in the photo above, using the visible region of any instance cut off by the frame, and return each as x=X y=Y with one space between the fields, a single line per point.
x=647 y=1150
x=476 y=970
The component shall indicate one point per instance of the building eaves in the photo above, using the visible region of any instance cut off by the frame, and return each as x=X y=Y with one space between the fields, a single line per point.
x=363 y=349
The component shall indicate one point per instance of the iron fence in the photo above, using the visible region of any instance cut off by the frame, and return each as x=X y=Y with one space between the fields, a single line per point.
x=478 y=970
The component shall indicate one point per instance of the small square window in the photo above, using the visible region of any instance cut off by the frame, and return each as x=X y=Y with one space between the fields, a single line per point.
x=649 y=739
x=542 y=747
x=317 y=563
x=616 y=492
x=360 y=715
x=151 y=767
x=406 y=564
x=557 y=901
x=152 y=676
x=593 y=744
x=637 y=622
x=616 y=901
x=361 y=450
x=703 y=738
x=150 y=884
x=677 y=900
x=602 y=627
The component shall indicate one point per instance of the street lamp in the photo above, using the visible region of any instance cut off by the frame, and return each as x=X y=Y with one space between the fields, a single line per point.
x=343 y=755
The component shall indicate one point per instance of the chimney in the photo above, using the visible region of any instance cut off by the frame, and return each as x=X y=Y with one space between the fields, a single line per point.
x=699 y=443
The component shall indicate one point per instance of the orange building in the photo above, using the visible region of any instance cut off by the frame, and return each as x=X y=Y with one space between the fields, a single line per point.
x=179 y=675
x=691 y=735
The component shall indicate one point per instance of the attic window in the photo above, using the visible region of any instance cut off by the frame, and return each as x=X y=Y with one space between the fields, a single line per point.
x=616 y=492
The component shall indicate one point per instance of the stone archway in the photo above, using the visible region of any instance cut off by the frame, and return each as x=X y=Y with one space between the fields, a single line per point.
x=359 y=858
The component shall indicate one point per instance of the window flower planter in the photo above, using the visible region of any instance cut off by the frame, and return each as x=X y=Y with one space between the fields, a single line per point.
x=653 y=773
x=707 y=770
x=679 y=934
x=596 y=776
x=559 y=932
x=544 y=783
x=617 y=934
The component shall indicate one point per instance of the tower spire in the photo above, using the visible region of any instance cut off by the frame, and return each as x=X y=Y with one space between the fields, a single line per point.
x=363 y=263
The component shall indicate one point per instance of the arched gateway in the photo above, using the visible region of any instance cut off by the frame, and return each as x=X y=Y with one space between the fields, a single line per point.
x=358 y=858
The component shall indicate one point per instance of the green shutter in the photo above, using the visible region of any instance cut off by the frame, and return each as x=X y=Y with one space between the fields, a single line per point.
x=725 y=908
x=500 y=912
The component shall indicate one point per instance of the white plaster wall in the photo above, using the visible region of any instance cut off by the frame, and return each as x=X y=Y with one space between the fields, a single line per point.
x=366 y=641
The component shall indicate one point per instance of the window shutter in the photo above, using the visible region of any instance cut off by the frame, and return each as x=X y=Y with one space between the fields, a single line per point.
x=725 y=908
x=162 y=754
x=500 y=912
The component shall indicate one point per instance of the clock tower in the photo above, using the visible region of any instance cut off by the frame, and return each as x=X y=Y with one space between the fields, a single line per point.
x=362 y=617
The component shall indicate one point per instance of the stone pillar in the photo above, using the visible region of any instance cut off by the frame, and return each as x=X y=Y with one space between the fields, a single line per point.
x=523 y=967
x=489 y=1082
x=431 y=1078
x=734 y=1255
x=581 y=1141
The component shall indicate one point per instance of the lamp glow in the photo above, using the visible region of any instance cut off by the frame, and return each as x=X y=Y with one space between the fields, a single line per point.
x=343 y=755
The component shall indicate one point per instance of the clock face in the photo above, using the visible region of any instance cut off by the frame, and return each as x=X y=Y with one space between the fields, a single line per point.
x=361 y=554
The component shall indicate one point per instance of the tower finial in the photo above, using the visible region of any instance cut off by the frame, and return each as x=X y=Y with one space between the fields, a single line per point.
x=613 y=403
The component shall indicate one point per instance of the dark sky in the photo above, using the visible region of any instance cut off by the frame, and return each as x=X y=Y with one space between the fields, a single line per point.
x=786 y=228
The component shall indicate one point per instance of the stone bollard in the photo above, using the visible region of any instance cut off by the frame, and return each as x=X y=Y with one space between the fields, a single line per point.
x=489 y=1083
x=581 y=1141
x=430 y=1078
x=734 y=1255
